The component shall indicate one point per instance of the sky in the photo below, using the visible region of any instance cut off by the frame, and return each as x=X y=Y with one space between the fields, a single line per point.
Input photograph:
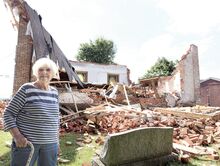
x=142 y=31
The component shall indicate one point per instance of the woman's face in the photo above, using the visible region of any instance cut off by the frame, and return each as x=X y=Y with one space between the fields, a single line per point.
x=44 y=74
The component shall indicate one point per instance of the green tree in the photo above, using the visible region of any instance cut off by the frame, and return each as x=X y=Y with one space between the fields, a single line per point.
x=162 y=67
x=99 y=51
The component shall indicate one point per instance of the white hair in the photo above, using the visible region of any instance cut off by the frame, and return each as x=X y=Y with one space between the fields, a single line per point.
x=42 y=62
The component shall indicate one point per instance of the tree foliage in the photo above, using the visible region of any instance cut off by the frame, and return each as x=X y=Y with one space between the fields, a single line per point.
x=99 y=51
x=162 y=67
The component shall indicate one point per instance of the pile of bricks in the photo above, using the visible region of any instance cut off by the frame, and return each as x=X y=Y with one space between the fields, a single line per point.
x=188 y=133
x=197 y=132
x=2 y=107
x=135 y=95
x=113 y=120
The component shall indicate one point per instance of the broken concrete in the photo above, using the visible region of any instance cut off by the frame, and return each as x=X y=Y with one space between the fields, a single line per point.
x=75 y=99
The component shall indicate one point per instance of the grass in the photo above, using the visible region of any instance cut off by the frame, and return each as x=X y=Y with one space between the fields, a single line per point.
x=78 y=155
x=4 y=150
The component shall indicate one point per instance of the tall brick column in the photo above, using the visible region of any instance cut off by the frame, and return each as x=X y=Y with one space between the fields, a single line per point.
x=24 y=48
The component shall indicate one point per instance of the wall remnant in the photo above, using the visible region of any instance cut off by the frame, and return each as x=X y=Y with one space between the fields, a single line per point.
x=183 y=84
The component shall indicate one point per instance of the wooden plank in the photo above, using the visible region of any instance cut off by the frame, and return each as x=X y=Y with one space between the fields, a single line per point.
x=72 y=118
x=54 y=82
x=99 y=107
x=186 y=149
x=128 y=109
x=72 y=114
x=214 y=116
x=198 y=150
x=65 y=110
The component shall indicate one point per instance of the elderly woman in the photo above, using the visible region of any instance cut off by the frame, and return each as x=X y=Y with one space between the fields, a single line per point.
x=33 y=115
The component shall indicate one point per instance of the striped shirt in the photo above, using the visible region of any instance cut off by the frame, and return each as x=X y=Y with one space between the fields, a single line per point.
x=35 y=113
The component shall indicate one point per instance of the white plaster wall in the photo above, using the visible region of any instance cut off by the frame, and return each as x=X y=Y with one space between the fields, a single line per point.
x=173 y=83
x=162 y=86
x=185 y=79
x=188 y=80
x=177 y=82
x=169 y=84
x=98 y=73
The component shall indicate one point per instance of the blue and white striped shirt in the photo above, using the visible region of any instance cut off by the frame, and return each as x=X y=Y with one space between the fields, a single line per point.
x=35 y=113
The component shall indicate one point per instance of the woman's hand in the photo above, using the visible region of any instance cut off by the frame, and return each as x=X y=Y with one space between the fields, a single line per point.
x=20 y=141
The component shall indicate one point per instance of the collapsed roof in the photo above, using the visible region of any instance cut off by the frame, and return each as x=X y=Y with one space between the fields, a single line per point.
x=43 y=43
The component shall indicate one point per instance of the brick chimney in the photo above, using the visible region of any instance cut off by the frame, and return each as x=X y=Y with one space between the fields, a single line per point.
x=24 y=49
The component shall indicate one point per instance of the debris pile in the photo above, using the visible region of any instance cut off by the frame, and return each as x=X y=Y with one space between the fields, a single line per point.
x=120 y=94
x=2 y=107
x=123 y=108
x=190 y=136
x=118 y=109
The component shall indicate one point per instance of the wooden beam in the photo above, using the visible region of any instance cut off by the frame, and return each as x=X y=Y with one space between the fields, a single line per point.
x=187 y=114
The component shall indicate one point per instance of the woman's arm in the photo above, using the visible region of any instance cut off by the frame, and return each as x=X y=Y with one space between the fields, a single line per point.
x=13 y=108
x=10 y=114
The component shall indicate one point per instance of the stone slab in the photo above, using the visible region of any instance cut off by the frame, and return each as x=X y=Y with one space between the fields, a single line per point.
x=136 y=145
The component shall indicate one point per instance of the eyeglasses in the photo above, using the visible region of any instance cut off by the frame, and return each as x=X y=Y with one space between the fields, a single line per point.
x=44 y=69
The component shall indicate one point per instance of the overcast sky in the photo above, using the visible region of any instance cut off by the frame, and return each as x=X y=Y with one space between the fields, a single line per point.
x=142 y=31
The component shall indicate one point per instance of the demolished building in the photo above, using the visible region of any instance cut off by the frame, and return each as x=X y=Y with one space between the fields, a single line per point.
x=184 y=83
x=34 y=42
x=96 y=73
x=183 y=86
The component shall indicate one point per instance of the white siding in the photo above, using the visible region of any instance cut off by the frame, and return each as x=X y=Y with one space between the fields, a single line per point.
x=98 y=73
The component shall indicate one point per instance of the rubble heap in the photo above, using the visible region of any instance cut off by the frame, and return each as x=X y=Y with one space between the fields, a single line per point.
x=2 y=107
x=195 y=128
x=190 y=137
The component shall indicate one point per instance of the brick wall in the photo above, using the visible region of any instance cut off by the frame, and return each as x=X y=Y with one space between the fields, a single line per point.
x=210 y=91
x=22 y=73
